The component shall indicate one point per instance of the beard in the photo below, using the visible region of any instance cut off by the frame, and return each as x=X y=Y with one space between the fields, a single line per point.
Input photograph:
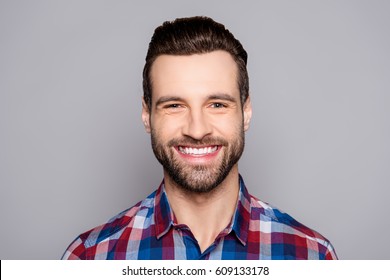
x=198 y=178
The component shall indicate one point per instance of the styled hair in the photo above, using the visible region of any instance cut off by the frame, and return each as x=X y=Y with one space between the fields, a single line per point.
x=194 y=35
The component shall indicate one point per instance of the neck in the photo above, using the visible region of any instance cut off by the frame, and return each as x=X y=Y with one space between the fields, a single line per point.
x=206 y=214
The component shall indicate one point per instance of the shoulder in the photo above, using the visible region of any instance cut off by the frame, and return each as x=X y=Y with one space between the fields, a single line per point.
x=285 y=231
x=137 y=216
x=138 y=213
x=273 y=215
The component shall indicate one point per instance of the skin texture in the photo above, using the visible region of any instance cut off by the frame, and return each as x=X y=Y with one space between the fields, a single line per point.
x=197 y=124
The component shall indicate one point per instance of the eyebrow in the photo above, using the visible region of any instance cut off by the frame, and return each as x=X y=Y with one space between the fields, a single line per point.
x=165 y=99
x=220 y=96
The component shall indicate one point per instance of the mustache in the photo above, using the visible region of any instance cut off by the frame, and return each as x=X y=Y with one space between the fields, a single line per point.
x=188 y=141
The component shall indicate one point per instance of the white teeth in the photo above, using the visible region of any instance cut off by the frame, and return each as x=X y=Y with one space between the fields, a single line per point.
x=196 y=151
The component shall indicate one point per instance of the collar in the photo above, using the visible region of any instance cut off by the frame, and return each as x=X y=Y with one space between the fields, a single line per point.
x=165 y=219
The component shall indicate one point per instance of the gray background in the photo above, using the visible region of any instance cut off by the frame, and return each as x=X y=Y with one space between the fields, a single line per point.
x=73 y=151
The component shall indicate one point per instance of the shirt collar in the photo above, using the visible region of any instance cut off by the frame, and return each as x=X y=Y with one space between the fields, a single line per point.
x=241 y=215
x=164 y=217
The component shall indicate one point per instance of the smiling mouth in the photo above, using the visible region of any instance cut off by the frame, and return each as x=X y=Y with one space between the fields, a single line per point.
x=203 y=151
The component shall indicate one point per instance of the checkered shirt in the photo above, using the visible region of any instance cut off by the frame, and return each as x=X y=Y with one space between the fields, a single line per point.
x=149 y=230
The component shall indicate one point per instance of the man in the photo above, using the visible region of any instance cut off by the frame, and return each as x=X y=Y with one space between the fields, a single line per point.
x=197 y=108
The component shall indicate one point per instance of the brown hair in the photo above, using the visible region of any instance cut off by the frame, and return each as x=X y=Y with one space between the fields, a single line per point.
x=194 y=35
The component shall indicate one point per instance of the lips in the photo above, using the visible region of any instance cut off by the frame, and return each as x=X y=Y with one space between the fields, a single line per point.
x=197 y=151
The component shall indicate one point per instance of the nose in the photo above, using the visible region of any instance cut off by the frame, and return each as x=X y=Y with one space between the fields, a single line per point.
x=197 y=126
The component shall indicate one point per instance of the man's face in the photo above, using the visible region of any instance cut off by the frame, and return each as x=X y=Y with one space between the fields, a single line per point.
x=196 y=119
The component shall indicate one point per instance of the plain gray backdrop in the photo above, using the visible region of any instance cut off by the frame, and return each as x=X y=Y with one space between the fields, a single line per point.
x=73 y=151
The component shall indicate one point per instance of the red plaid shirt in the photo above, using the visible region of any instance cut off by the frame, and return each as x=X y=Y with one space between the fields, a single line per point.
x=149 y=230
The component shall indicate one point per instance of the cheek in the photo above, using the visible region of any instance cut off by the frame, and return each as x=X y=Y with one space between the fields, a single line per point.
x=228 y=126
x=165 y=128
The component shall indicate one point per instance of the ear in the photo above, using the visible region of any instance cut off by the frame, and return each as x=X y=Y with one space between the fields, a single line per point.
x=247 y=110
x=145 y=116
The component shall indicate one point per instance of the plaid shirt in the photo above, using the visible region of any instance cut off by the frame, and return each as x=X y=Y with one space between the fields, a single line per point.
x=149 y=230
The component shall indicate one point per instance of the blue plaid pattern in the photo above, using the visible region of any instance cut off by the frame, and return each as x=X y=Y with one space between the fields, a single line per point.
x=149 y=231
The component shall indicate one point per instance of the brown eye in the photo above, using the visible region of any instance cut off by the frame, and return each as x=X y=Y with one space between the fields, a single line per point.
x=172 y=106
x=218 y=105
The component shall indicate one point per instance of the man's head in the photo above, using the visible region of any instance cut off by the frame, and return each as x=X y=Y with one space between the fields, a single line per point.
x=196 y=103
x=195 y=35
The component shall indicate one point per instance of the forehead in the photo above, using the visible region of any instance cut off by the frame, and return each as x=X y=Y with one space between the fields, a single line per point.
x=199 y=73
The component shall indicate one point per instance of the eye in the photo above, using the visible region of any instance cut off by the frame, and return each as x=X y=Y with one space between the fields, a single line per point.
x=218 y=105
x=173 y=106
